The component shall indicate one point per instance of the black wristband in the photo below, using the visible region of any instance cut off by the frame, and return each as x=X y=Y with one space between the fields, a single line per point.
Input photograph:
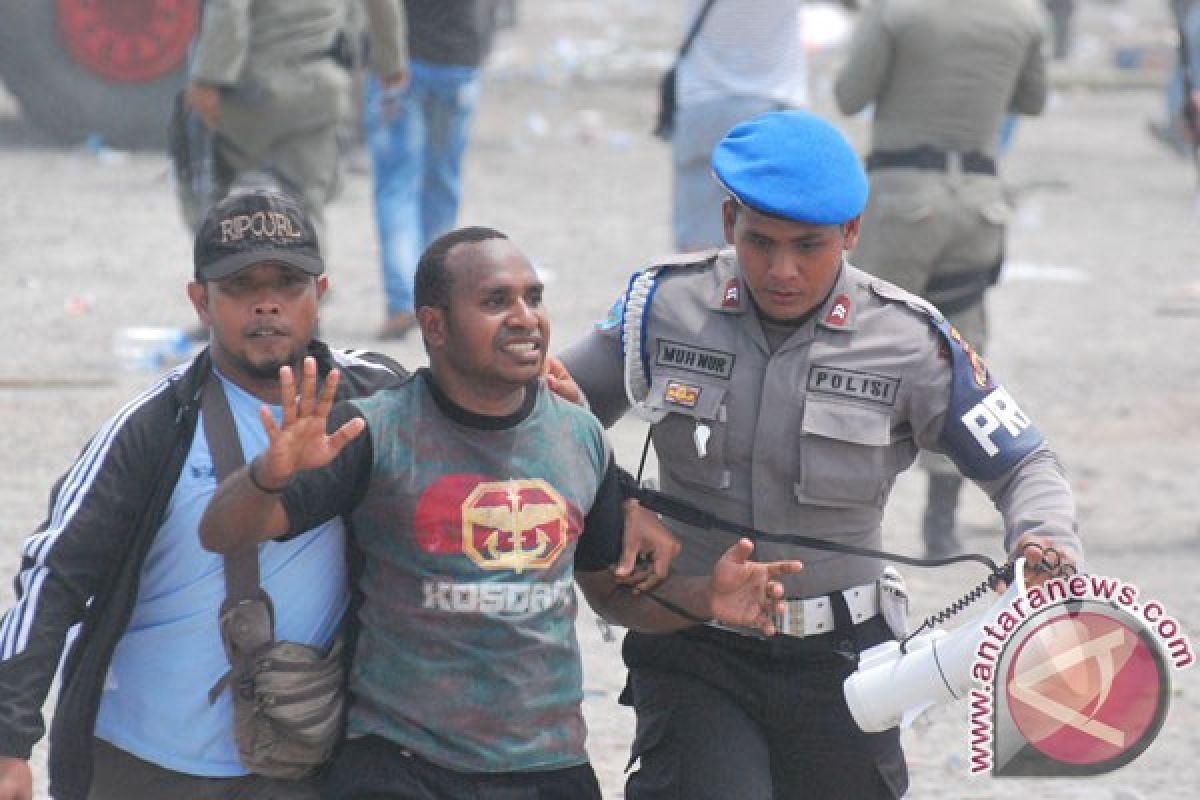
x=259 y=486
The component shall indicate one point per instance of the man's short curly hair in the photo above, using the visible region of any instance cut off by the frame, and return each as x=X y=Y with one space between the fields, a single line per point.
x=431 y=284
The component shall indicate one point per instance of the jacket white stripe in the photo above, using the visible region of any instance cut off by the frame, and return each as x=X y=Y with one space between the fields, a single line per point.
x=351 y=358
x=39 y=577
x=83 y=473
x=19 y=619
x=13 y=620
x=6 y=624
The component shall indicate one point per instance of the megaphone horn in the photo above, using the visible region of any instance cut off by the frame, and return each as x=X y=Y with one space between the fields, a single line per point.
x=893 y=685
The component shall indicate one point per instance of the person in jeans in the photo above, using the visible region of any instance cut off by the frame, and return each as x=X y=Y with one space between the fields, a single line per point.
x=747 y=58
x=417 y=135
x=1183 y=86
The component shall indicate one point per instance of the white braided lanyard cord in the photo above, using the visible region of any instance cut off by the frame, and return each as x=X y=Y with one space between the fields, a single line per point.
x=637 y=386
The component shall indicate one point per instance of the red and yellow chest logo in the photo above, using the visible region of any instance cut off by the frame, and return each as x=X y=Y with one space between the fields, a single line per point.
x=515 y=525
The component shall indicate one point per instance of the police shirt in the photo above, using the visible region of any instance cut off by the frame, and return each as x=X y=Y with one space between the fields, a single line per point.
x=809 y=437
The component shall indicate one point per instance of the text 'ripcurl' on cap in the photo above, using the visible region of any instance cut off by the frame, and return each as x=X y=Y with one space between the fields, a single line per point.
x=252 y=227
x=794 y=165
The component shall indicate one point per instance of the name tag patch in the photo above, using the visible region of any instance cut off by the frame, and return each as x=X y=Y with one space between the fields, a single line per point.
x=694 y=359
x=851 y=383
x=682 y=394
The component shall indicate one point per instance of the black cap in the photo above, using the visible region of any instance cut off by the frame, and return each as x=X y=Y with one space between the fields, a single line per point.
x=250 y=227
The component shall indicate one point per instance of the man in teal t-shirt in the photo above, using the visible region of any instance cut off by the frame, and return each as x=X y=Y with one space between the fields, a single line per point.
x=477 y=498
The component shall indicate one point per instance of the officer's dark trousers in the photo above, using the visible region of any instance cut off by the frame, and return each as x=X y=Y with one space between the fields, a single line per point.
x=721 y=716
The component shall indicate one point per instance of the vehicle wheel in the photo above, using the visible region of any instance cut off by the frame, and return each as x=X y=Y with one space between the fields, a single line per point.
x=110 y=67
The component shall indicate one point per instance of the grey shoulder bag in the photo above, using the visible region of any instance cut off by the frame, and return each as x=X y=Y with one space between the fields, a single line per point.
x=664 y=123
x=288 y=698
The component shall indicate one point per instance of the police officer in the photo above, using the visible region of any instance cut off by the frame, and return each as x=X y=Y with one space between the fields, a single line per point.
x=787 y=389
x=271 y=79
x=942 y=77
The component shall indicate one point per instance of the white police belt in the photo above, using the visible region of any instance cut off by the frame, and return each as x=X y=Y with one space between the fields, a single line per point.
x=812 y=616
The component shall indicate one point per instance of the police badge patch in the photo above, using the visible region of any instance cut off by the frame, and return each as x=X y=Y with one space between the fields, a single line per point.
x=682 y=394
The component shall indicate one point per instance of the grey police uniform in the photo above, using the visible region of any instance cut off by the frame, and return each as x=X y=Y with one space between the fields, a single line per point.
x=808 y=438
x=285 y=92
x=941 y=76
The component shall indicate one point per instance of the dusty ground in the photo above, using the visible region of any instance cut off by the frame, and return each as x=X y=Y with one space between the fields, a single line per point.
x=1092 y=328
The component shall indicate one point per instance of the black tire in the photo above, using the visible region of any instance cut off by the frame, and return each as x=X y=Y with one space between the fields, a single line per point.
x=67 y=99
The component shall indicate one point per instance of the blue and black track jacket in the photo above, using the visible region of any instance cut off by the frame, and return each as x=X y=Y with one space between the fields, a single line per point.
x=84 y=563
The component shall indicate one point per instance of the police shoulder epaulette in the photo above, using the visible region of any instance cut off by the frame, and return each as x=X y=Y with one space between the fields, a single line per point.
x=676 y=261
x=895 y=294
x=633 y=327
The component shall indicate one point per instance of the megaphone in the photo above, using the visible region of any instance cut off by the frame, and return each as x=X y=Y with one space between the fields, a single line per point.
x=893 y=686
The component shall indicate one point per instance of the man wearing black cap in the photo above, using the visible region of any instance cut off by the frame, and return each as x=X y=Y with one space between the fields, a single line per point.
x=786 y=390
x=119 y=553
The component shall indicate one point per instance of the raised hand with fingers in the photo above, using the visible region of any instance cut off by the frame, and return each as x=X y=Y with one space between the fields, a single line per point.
x=748 y=593
x=300 y=441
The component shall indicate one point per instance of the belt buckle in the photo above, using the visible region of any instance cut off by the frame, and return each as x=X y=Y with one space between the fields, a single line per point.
x=955 y=162
x=791 y=620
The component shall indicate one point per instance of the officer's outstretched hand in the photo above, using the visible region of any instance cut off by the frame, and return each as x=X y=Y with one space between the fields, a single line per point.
x=647 y=549
x=744 y=592
x=300 y=442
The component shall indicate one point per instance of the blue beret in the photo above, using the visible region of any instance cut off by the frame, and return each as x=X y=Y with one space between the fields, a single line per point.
x=794 y=165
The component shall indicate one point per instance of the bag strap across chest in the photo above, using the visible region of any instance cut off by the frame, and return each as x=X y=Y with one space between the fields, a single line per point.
x=241 y=566
x=247 y=617
x=694 y=30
